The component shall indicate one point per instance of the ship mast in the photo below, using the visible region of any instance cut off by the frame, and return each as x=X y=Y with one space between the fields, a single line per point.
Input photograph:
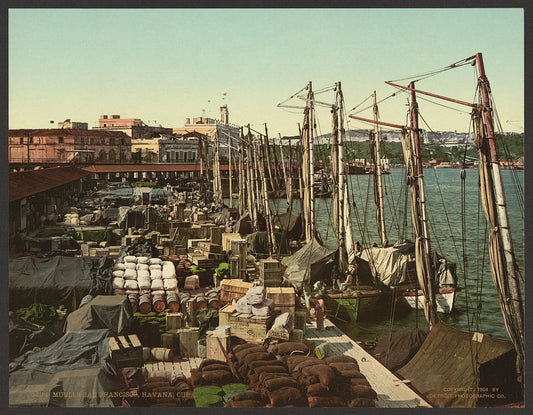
x=501 y=251
x=380 y=213
x=424 y=266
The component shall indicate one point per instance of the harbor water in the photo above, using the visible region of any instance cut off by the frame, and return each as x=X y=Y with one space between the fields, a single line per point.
x=459 y=236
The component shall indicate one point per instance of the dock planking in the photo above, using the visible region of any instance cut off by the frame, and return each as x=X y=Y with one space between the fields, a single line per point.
x=392 y=392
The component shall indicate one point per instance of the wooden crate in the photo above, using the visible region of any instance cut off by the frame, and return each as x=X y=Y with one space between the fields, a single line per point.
x=210 y=248
x=271 y=278
x=188 y=342
x=224 y=314
x=284 y=299
x=249 y=327
x=174 y=321
x=216 y=345
x=126 y=351
x=231 y=289
x=269 y=264
x=216 y=235
x=227 y=238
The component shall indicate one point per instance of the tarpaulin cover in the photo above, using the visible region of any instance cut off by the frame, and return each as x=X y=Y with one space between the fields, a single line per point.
x=74 y=371
x=394 y=265
x=94 y=235
x=289 y=222
x=24 y=335
x=452 y=365
x=258 y=243
x=306 y=265
x=396 y=349
x=58 y=280
x=390 y=265
x=104 y=311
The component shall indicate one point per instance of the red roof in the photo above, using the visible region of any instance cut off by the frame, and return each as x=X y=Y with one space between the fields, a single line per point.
x=64 y=132
x=27 y=183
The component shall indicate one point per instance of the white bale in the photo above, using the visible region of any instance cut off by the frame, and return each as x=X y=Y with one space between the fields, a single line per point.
x=170 y=284
x=130 y=258
x=130 y=265
x=117 y=283
x=143 y=260
x=155 y=267
x=144 y=283
x=158 y=292
x=155 y=261
x=168 y=273
x=119 y=266
x=118 y=274
x=157 y=285
x=131 y=285
x=142 y=267
x=130 y=274
x=143 y=274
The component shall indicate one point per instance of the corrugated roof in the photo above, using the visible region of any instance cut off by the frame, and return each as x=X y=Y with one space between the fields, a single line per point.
x=27 y=183
x=65 y=132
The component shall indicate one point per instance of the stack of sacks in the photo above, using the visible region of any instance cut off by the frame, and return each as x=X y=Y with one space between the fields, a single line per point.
x=254 y=302
x=317 y=379
x=159 y=391
x=168 y=273
x=354 y=386
x=212 y=372
x=237 y=395
x=117 y=283
x=267 y=376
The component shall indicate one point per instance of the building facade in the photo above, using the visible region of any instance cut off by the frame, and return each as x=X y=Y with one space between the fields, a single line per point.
x=133 y=127
x=68 y=146
x=73 y=125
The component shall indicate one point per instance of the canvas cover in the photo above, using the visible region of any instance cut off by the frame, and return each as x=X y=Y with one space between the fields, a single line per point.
x=452 y=364
x=395 y=350
x=306 y=266
x=57 y=280
x=289 y=223
x=74 y=371
x=104 y=311
x=394 y=265
x=390 y=265
x=258 y=243
x=25 y=335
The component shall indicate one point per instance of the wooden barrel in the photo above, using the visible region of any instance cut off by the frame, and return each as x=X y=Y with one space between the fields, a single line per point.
x=162 y=354
x=213 y=302
x=173 y=303
x=201 y=302
x=134 y=305
x=145 y=303
x=147 y=354
x=158 y=302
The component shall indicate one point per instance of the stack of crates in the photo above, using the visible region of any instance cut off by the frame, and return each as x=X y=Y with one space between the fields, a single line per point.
x=270 y=272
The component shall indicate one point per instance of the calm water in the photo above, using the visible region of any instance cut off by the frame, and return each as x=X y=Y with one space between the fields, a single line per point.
x=477 y=306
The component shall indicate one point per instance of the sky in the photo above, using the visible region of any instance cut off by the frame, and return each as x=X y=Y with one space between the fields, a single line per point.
x=166 y=65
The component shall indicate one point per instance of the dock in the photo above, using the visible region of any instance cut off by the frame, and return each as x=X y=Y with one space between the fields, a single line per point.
x=392 y=392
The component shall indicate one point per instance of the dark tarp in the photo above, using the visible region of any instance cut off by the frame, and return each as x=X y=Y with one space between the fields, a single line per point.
x=105 y=311
x=57 y=280
x=398 y=348
x=258 y=243
x=289 y=222
x=306 y=266
x=74 y=371
x=452 y=364
x=24 y=335
x=244 y=224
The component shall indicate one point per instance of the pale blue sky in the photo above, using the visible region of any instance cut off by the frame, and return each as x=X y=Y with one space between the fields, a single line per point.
x=166 y=64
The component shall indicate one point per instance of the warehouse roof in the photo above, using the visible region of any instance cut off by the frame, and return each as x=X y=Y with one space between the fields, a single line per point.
x=27 y=183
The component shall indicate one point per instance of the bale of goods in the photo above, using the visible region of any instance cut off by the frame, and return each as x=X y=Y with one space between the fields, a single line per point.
x=118 y=274
x=130 y=274
x=117 y=283
x=155 y=261
x=218 y=377
x=144 y=283
x=130 y=265
x=119 y=266
x=244 y=346
x=170 y=284
x=157 y=285
x=131 y=285
x=255 y=295
x=158 y=302
x=143 y=260
x=287 y=348
x=242 y=306
x=144 y=274
x=263 y=309
x=145 y=303
x=162 y=354
x=156 y=275
x=287 y=396
x=142 y=267
x=327 y=401
x=173 y=303
x=130 y=259
x=154 y=268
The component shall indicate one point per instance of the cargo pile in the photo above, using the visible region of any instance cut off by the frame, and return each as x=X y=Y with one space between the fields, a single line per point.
x=149 y=283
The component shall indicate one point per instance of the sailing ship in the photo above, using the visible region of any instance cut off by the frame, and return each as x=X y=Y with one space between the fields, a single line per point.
x=396 y=266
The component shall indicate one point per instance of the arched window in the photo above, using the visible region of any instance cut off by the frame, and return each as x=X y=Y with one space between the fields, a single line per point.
x=112 y=154
x=102 y=155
